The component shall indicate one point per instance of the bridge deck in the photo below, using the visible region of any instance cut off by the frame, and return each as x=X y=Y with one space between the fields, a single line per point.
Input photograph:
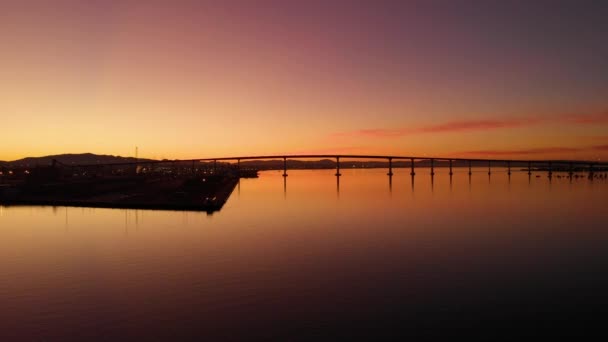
x=361 y=156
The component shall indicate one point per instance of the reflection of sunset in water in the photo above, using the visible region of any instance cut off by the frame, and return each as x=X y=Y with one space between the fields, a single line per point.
x=305 y=254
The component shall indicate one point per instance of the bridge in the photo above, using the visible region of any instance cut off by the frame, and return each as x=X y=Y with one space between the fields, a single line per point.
x=547 y=165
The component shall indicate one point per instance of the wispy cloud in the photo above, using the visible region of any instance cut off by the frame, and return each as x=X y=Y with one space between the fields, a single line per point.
x=600 y=118
x=541 y=150
x=452 y=126
x=481 y=125
x=477 y=125
x=544 y=150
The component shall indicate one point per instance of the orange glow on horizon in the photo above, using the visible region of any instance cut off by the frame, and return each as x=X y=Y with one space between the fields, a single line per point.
x=187 y=81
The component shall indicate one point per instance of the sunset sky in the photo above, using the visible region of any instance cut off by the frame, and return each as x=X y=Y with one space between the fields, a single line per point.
x=190 y=79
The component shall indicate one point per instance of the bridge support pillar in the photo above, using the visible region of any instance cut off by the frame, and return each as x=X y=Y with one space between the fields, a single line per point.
x=470 y=171
x=284 y=166
x=550 y=170
x=432 y=167
x=489 y=167
x=529 y=168
x=390 y=166
x=570 y=171
x=413 y=173
x=451 y=173
x=338 y=174
x=509 y=168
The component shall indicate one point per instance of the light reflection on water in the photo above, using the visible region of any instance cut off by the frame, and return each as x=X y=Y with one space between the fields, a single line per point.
x=309 y=255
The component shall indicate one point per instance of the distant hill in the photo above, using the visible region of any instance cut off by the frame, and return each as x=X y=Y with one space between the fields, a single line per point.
x=69 y=159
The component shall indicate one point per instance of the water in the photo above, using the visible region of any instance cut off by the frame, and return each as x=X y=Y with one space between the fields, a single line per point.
x=308 y=259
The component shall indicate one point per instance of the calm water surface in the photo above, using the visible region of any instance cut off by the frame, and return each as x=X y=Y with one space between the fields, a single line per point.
x=309 y=259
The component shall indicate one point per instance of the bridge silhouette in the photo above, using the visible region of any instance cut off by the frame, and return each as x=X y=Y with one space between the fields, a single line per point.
x=547 y=165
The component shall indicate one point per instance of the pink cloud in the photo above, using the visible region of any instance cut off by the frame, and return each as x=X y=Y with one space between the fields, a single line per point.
x=480 y=125
x=453 y=126
x=601 y=118
x=543 y=150
x=477 y=125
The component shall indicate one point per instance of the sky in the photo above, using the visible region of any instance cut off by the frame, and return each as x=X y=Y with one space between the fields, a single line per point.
x=195 y=79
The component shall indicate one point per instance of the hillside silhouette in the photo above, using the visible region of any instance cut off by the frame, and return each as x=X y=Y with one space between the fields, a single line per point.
x=70 y=158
